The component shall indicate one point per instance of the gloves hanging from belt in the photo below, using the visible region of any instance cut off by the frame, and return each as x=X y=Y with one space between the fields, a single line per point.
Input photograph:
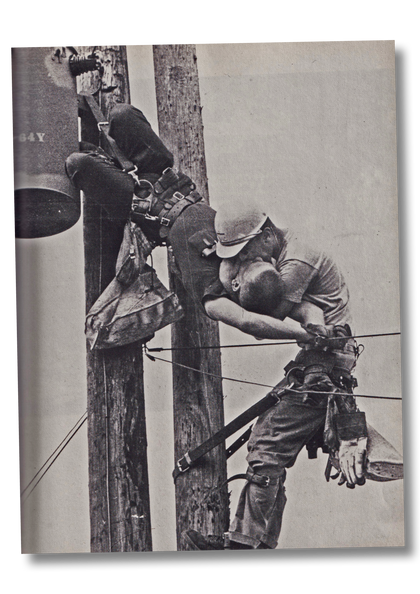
x=323 y=369
x=345 y=431
x=352 y=439
x=352 y=436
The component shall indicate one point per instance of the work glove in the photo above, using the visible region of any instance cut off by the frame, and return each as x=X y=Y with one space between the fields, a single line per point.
x=352 y=459
x=352 y=439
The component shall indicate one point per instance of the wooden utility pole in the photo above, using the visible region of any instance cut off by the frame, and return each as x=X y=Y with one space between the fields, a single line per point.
x=198 y=398
x=118 y=475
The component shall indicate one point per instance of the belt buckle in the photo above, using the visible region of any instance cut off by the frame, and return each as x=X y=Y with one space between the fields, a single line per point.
x=261 y=480
x=265 y=482
x=165 y=222
x=184 y=463
x=99 y=124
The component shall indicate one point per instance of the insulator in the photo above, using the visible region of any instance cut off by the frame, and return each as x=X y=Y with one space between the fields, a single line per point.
x=79 y=65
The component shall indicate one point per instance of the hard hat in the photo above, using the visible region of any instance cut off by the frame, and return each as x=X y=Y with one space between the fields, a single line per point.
x=234 y=229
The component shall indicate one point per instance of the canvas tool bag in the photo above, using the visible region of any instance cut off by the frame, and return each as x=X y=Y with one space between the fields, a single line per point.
x=136 y=303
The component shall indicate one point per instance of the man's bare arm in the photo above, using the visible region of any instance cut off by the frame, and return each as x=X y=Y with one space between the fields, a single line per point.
x=303 y=312
x=224 y=310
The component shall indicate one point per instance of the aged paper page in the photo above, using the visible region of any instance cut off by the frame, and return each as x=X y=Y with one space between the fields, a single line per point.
x=308 y=130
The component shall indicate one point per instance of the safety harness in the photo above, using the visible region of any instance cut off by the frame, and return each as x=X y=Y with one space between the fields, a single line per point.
x=163 y=201
x=160 y=202
x=310 y=363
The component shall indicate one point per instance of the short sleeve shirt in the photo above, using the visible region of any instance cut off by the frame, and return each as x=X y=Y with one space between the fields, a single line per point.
x=310 y=275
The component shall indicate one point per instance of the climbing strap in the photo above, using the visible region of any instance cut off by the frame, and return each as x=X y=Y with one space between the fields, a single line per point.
x=192 y=456
x=164 y=200
x=108 y=143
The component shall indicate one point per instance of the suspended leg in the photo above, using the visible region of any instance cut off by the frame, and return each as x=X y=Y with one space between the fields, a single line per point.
x=103 y=182
x=139 y=143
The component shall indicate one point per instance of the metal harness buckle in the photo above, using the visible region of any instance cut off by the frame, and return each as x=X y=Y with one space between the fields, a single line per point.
x=184 y=463
x=133 y=173
x=261 y=480
x=99 y=124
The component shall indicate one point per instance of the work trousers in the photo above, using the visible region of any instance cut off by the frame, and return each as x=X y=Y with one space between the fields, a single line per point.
x=276 y=440
x=102 y=180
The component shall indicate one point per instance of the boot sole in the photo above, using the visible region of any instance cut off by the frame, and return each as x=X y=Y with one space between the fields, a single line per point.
x=193 y=546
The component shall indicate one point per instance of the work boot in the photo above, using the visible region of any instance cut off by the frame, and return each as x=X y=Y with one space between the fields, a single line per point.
x=198 y=542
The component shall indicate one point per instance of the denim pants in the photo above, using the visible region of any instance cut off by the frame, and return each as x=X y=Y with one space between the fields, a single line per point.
x=276 y=440
x=101 y=180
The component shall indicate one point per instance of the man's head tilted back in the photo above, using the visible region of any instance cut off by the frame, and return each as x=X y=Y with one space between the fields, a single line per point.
x=245 y=241
x=257 y=286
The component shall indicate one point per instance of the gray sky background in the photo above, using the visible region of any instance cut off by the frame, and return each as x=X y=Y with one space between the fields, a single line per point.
x=309 y=131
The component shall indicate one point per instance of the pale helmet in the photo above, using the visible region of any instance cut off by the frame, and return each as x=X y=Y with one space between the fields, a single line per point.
x=235 y=228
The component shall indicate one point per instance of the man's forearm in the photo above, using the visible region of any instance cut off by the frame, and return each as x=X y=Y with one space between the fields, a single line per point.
x=260 y=326
x=271 y=328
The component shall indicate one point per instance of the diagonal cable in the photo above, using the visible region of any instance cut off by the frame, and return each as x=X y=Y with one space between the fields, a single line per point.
x=231 y=379
x=65 y=441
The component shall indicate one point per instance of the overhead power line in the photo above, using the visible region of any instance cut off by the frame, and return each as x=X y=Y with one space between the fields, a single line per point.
x=261 y=344
x=63 y=444
x=230 y=379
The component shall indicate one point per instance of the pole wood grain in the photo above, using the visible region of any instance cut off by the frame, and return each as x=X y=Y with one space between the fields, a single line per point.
x=198 y=399
x=118 y=473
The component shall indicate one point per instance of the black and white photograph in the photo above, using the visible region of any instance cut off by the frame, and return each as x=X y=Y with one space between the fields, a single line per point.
x=237 y=255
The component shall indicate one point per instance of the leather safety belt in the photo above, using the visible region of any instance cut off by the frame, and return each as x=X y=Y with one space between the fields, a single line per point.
x=192 y=456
